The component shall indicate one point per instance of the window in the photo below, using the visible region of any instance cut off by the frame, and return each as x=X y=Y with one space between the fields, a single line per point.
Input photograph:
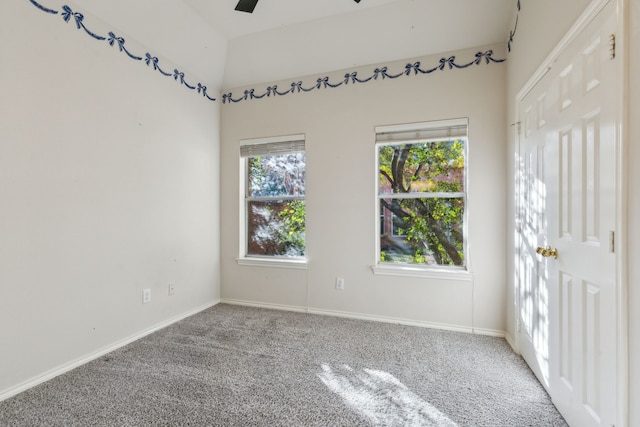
x=421 y=191
x=273 y=181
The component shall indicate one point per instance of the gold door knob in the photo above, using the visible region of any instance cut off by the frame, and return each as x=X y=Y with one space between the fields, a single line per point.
x=547 y=252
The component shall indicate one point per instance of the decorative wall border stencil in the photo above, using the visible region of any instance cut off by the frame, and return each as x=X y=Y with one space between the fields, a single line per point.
x=67 y=14
x=295 y=87
x=380 y=72
x=512 y=33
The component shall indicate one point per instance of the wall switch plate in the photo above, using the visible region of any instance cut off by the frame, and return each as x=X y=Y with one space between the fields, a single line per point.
x=339 y=284
x=146 y=296
x=172 y=288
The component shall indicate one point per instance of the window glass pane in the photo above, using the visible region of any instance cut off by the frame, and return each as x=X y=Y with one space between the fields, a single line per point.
x=276 y=175
x=276 y=227
x=422 y=231
x=434 y=167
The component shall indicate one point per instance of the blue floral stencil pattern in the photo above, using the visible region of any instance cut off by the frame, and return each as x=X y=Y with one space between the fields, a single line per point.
x=353 y=77
x=68 y=15
x=512 y=33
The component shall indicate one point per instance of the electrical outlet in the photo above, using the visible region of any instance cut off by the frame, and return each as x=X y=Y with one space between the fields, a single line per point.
x=339 y=284
x=172 y=288
x=146 y=296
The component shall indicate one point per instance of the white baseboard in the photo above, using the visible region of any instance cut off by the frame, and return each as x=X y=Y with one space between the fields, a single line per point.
x=351 y=315
x=396 y=320
x=511 y=342
x=263 y=305
x=46 y=376
x=490 y=332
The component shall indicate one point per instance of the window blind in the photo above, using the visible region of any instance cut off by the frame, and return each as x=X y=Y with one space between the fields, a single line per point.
x=422 y=132
x=415 y=136
x=271 y=148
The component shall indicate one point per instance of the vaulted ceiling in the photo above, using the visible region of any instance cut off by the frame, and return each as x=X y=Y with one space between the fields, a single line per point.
x=284 y=39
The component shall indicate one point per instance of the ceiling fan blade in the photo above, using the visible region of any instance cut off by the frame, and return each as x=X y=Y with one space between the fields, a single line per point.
x=246 y=5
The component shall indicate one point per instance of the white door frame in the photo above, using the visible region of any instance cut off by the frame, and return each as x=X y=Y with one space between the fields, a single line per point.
x=621 y=281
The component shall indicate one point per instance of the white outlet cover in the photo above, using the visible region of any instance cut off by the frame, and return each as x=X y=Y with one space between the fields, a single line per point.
x=146 y=296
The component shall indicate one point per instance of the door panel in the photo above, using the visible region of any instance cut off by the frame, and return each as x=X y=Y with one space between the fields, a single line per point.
x=567 y=186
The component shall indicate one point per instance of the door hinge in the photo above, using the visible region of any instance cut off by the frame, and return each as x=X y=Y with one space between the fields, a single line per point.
x=612 y=46
x=612 y=241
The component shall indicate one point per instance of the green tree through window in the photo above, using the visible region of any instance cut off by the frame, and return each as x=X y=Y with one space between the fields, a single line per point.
x=275 y=200
x=422 y=200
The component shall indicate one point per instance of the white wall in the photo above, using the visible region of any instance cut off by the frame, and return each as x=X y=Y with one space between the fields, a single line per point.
x=396 y=30
x=542 y=23
x=339 y=127
x=108 y=185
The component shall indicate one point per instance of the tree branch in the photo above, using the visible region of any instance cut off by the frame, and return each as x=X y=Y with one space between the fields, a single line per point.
x=415 y=175
x=397 y=171
x=449 y=248
x=386 y=175
x=396 y=209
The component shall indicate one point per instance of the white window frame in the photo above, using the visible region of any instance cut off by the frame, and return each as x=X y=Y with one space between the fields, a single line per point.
x=420 y=132
x=243 y=257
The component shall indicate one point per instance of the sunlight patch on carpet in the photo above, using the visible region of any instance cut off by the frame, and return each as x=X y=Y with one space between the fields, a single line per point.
x=381 y=398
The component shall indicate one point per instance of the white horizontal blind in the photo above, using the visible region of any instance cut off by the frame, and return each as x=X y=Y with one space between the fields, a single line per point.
x=422 y=132
x=272 y=148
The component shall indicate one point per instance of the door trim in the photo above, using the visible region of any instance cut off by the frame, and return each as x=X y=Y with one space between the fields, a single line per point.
x=622 y=190
x=621 y=261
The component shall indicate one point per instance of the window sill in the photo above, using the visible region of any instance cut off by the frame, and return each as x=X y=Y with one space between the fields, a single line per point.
x=423 y=272
x=296 y=264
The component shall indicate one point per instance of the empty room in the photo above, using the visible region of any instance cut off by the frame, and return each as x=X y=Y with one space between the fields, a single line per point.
x=337 y=212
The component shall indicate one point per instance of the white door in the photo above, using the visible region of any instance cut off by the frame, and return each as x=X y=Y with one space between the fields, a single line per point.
x=567 y=202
